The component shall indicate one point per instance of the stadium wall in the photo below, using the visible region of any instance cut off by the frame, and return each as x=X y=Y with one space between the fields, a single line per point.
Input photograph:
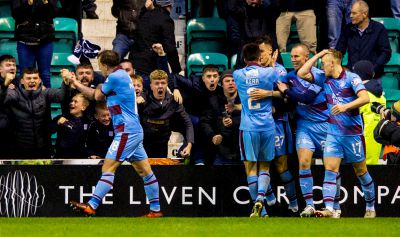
x=199 y=191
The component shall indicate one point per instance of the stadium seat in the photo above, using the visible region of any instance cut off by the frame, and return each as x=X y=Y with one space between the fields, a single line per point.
x=60 y=61
x=392 y=95
x=196 y=62
x=7 y=25
x=56 y=81
x=393 y=66
x=390 y=81
x=392 y=26
x=9 y=47
x=287 y=62
x=195 y=13
x=345 y=59
x=233 y=60
x=206 y=35
x=66 y=34
x=5 y=8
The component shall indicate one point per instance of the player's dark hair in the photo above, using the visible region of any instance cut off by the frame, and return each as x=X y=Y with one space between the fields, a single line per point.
x=251 y=52
x=109 y=58
x=264 y=39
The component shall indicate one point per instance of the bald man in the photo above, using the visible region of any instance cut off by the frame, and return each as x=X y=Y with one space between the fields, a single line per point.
x=365 y=39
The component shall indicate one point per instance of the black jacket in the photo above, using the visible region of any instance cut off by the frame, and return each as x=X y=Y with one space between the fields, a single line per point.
x=373 y=45
x=194 y=92
x=99 y=138
x=127 y=12
x=155 y=26
x=5 y=122
x=34 y=23
x=30 y=111
x=387 y=133
x=71 y=137
x=211 y=123
x=158 y=120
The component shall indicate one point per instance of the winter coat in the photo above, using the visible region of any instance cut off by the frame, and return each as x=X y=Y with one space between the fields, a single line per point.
x=30 y=111
x=155 y=26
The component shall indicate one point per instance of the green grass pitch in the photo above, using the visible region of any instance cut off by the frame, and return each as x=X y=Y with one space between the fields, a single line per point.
x=103 y=227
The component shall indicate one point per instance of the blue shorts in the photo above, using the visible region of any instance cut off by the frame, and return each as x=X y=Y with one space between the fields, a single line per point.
x=256 y=146
x=283 y=138
x=350 y=148
x=311 y=136
x=127 y=147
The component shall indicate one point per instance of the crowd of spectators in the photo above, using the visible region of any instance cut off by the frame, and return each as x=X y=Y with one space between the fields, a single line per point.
x=205 y=109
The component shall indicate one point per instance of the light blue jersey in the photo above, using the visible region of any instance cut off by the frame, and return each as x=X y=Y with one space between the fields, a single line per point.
x=344 y=138
x=256 y=114
x=121 y=102
x=342 y=90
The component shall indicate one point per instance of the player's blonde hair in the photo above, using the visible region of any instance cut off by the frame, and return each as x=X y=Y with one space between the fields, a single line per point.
x=336 y=55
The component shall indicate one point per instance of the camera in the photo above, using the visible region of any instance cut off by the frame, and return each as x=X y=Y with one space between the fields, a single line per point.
x=379 y=108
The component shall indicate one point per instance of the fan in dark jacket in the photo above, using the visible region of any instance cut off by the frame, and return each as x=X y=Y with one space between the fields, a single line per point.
x=29 y=104
x=127 y=12
x=72 y=129
x=100 y=134
x=8 y=71
x=221 y=121
x=365 y=39
x=155 y=26
x=158 y=114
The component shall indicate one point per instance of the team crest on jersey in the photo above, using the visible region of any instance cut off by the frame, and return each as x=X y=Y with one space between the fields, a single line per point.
x=356 y=81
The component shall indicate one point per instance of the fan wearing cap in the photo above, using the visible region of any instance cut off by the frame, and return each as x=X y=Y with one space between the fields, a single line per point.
x=365 y=70
x=387 y=132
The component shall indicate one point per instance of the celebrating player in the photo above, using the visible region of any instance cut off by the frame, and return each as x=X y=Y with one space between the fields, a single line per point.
x=257 y=127
x=127 y=144
x=345 y=93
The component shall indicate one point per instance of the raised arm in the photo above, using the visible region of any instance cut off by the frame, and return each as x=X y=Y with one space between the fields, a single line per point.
x=90 y=93
x=305 y=71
